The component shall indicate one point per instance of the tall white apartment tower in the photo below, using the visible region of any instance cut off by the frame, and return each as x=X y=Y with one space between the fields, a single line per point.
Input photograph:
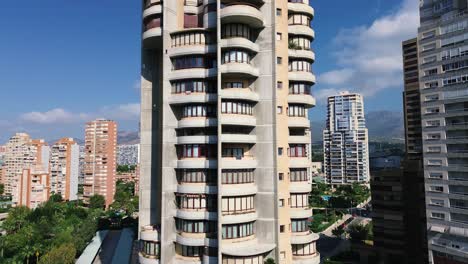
x=345 y=140
x=64 y=168
x=226 y=87
x=443 y=75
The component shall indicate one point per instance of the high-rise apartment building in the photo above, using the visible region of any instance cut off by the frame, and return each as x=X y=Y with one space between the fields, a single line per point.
x=226 y=87
x=443 y=50
x=64 y=165
x=100 y=159
x=33 y=187
x=345 y=140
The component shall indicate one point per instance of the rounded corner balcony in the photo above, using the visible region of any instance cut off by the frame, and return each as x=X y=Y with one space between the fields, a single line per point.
x=300 y=213
x=193 y=73
x=311 y=259
x=191 y=50
x=197 y=122
x=152 y=9
x=197 y=163
x=196 y=188
x=199 y=240
x=238 y=120
x=238 y=218
x=197 y=140
x=303 y=238
x=299 y=162
x=247 y=249
x=302 y=8
x=298 y=122
x=305 y=99
x=300 y=187
x=245 y=162
x=152 y=38
x=144 y=259
x=149 y=233
x=239 y=189
x=302 y=76
x=196 y=215
x=302 y=54
x=240 y=94
x=239 y=69
x=299 y=139
x=238 y=138
x=242 y=13
x=190 y=98
x=301 y=30
x=239 y=42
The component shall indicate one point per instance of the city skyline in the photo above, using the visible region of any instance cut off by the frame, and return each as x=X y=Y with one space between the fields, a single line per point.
x=52 y=118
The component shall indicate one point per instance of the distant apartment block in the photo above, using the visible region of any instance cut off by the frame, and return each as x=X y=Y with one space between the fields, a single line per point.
x=81 y=176
x=346 y=147
x=131 y=176
x=443 y=79
x=128 y=154
x=100 y=159
x=64 y=168
x=33 y=187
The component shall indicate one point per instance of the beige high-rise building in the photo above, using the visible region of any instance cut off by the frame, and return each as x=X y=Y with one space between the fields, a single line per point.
x=64 y=165
x=33 y=187
x=22 y=152
x=100 y=159
x=225 y=135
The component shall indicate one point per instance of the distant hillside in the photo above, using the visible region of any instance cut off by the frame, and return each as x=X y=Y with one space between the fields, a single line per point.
x=382 y=126
x=128 y=137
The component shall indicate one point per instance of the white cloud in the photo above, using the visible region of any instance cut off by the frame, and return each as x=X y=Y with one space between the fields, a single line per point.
x=122 y=112
x=54 y=116
x=137 y=85
x=368 y=58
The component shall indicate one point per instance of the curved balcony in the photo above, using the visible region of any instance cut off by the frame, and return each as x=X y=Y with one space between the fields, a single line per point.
x=210 y=260
x=247 y=248
x=300 y=187
x=242 y=69
x=299 y=139
x=302 y=76
x=197 y=188
x=195 y=240
x=305 y=99
x=244 y=163
x=300 y=238
x=239 y=42
x=196 y=73
x=300 y=213
x=144 y=260
x=196 y=215
x=301 y=54
x=239 y=218
x=152 y=10
x=210 y=20
x=149 y=233
x=242 y=13
x=301 y=8
x=301 y=30
x=299 y=162
x=191 y=98
x=238 y=138
x=240 y=94
x=193 y=9
x=152 y=38
x=239 y=189
x=197 y=122
x=238 y=120
x=197 y=140
x=201 y=163
x=299 y=122
x=191 y=50
x=313 y=259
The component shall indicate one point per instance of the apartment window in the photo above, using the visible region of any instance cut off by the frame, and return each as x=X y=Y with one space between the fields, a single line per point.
x=196 y=151
x=235 y=56
x=280 y=176
x=433 y=137
x=432 y=110
x=438 y=215
x=299 y=65
x=297 y=111
x=282 y=255
x=281 y=228
x=429 y=59
x=455 y=52
x=299 y=88
x=435 y=175
x=430 y=72
x=281 y=203
x=458 y=26
x=299 y=200
x=237 y=153
x=454 y=40
x=236 y=107
x=299 y=225
x=429 y=47
x=436 y=188
x=195 y=226
x=300 y=42
x=229 y=85
x=434 y=162
x=455 y=66
x=236 y=30
x=298 y=175
x=238 y=176
x=429 y=34
x=193 y=86
x=432 y=97
x=279 y=60
x=237 y=205
x=299 y=19
x=279 y=36
x=191 y=38
x=196 y=201
x=191 y=62
x=297 y=150
x=196 y=176
x=434 y=149
x=433 y=123
x=278 y=11
x=238 y=230
x=279 y=85
x=279 y=110
x=188 y=251
x=149 y=248
x=437 y=202
x=432 y=84
x=303 y=249
x=199 y=111
x=243 y=260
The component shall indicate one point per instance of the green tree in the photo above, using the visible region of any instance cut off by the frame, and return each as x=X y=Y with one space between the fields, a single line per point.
x=56 y=198
x=338 y=231
x=270 y=261
x=63 y=254
x=97 y=202
x=2 y=189
x=358 y=232
x=124 y=198
x=17 y=218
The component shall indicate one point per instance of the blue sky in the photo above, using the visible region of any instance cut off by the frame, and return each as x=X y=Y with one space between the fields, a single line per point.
x=65 y=62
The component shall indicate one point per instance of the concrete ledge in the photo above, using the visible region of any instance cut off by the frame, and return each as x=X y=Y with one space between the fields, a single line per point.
x=91 y=251
x=303 y=239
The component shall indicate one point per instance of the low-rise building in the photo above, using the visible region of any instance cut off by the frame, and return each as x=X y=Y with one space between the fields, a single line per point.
x=33 y=187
